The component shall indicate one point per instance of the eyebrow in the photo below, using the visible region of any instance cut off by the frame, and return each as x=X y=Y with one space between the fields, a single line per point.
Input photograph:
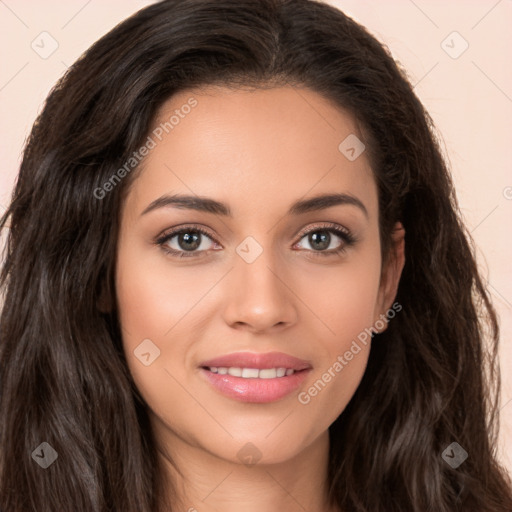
x=208 y=205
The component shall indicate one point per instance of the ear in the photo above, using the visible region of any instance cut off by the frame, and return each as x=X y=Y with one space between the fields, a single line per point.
x=390 y=275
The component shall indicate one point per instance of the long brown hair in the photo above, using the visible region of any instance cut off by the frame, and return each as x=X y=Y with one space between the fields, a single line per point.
x=432 y=378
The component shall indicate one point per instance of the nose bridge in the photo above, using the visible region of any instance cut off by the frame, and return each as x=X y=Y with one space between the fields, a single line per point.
x=260 y=297
x=256 y=265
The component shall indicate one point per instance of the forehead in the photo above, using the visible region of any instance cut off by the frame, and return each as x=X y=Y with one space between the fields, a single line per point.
x=251 y=148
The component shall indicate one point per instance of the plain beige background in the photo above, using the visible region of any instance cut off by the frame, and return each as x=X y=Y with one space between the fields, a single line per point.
x=457 y=54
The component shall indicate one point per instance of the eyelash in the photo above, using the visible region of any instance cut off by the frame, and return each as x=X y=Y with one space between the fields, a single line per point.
x=343 y=233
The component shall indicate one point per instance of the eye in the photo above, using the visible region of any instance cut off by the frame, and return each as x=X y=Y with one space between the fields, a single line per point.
x=320 y=239
x=189 y=242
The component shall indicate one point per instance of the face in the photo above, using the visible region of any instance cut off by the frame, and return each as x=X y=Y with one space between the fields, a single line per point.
x=255 y=274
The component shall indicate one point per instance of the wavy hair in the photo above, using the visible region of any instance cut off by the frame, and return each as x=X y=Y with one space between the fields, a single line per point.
x=432 y=377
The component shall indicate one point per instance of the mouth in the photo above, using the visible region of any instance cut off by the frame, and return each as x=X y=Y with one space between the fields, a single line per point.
x=252 y=373
x=255 y=377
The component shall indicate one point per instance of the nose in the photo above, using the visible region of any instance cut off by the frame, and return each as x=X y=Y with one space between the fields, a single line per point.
x=259 y=296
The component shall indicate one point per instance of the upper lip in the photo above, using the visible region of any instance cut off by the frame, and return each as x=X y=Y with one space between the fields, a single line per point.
x=255 y=360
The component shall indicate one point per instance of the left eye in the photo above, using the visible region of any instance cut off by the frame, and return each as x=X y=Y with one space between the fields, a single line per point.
x=321 y=239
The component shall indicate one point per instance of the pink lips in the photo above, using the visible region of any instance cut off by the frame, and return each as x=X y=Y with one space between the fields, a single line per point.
x=262 y=361
x=256 y=390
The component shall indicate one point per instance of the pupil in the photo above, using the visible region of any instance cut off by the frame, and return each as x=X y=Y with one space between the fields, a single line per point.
x=321 y=240
x=189 y=239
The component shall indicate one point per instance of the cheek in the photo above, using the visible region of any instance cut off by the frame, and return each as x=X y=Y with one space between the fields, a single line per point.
x=345 y=353
x=147 y=313
x=149 y=306
x=343 y=298
x=345 y=304
x=154 y=299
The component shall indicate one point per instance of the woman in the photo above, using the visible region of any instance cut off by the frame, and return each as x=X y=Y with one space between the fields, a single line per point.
x=236 y=278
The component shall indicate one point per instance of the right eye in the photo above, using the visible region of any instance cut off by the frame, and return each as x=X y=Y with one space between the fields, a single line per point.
x=189 y=242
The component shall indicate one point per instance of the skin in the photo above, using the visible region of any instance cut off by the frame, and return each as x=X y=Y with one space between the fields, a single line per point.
x=257 y=151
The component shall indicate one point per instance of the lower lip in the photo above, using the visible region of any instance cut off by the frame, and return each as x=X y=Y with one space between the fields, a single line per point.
x=255 y=390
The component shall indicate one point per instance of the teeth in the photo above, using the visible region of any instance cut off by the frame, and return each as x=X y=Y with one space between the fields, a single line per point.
x=270 y=373
x=253 y=373
x=236 y=372
x=250 y=373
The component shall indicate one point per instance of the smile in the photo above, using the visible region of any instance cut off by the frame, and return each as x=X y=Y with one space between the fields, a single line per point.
x=252 y=373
